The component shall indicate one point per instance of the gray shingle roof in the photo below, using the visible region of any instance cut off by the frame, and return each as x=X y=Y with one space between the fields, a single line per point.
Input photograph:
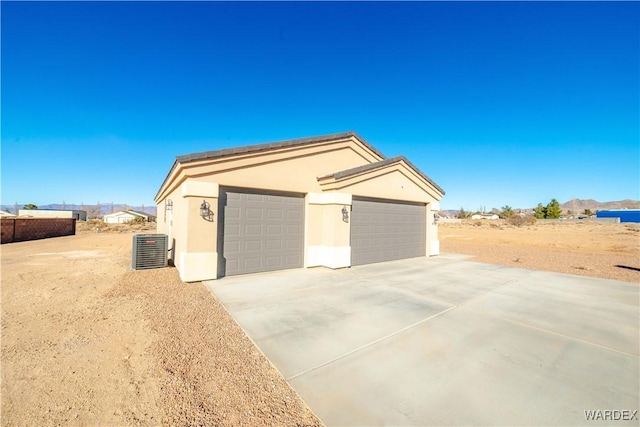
x=272 y=145
x=380 y=164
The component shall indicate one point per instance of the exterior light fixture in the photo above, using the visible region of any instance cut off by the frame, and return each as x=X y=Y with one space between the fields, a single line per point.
x=168 y=206
x=345 y=214
x=436 y=218
x=205 y=212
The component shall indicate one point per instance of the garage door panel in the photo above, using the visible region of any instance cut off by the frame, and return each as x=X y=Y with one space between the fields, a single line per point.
x=253 y=246
x=293 y=229
x=233 y=246
x=253 y=229
x=386 y=230
x=254 y=213
x=293 y=215
x=251 y=197
x=233 y=213
x=275 y=214
x=273 y=263
x=293 y=244
x=261 y=232
x=253 y=264
x=233 y=265
x=274 y=230
x=231 y=230
x=274 y=244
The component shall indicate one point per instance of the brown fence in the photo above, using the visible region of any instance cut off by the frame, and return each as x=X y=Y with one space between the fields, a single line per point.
x=22 y=229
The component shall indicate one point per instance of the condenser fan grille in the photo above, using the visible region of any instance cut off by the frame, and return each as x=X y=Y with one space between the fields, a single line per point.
x=149 y=251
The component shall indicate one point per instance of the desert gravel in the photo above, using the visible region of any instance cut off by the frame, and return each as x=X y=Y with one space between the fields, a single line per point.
x=604 y=250
x=211 y=372
x=87 y=341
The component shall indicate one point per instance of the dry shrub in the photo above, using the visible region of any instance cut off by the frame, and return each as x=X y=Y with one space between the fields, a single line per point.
x=138 y=221
x=138 y=225
x=519 y=221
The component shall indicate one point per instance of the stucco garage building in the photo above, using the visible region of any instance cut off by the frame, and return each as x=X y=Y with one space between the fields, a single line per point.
x=332 y=201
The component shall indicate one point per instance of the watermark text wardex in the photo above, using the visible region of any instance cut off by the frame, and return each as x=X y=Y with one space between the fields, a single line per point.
x=610 y=415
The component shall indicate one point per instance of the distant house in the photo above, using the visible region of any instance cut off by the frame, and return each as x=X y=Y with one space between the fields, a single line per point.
x=625 y=215
x=53 y=213
x=126 y=216
x=5 y=214
x=485 y=216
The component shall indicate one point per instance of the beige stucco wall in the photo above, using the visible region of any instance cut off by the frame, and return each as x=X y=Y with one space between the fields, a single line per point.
x=433 y=243
x=327 y=241
x=394 y=182
x=194 y=239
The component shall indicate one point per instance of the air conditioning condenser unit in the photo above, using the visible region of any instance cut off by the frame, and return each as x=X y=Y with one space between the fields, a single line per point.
x=149 y=251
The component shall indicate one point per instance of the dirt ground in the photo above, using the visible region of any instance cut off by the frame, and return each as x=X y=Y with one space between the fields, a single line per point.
x=586 y=248
x=87 y=341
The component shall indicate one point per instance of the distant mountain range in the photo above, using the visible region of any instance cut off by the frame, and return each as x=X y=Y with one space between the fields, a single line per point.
x=577 y=205
x=92 y=210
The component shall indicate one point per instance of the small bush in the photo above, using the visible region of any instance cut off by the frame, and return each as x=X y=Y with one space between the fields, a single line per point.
x=138 y=221
x=519 y=221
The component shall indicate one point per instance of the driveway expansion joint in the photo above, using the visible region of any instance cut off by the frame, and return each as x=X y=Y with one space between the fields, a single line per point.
x=402 y=330
x=372 y=343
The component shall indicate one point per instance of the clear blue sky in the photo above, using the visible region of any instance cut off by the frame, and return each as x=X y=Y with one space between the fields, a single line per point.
x=500 y=103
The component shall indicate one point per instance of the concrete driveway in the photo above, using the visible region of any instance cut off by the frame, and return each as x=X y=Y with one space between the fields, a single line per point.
x=445 y=341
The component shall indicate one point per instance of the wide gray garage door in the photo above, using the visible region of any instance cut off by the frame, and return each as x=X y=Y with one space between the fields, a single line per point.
x=386 y=230
x=260 y=232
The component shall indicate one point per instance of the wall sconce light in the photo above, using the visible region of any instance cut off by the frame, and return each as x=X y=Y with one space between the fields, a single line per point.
x=436 y=218
x=168 y=206
x=205 y=211
x=345 y=214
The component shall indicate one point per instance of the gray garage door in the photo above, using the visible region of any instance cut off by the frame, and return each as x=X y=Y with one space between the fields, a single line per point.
x=260 y=232
x=385 y=230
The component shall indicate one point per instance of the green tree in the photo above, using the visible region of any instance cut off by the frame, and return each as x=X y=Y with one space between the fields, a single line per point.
x=30 y=206
x=588 y=212
x=507 y=212
x=540 y=212
x=553 y=210
x=462 y=214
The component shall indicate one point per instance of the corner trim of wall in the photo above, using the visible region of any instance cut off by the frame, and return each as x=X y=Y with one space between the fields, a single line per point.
x=197 y=266
x=329 y=256
x=434 y=247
